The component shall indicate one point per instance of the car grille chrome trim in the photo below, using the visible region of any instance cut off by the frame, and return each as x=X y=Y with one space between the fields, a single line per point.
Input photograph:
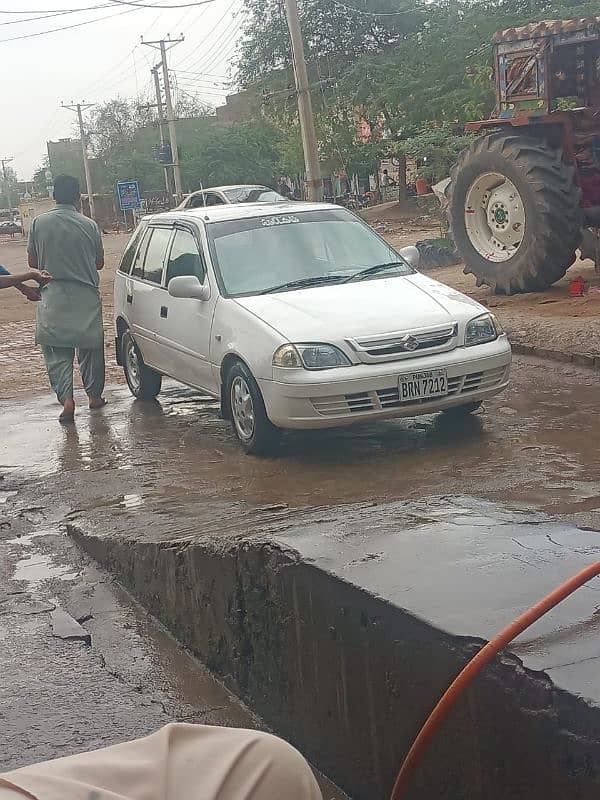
x=405 y=344
x=382 y=399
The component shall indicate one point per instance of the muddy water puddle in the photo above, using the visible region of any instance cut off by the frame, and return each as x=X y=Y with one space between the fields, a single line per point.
x=533 y=447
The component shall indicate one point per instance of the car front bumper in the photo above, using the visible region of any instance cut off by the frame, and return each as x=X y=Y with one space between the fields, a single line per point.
x=345 y=396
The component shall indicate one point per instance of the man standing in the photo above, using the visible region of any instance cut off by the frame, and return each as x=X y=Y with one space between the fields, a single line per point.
x=68 y=245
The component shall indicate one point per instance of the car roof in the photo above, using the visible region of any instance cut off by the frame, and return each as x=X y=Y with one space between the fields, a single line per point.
x=226 y=213
x=232 y=186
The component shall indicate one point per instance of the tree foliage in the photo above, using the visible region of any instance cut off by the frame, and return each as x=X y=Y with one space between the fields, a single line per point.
x=431 y=65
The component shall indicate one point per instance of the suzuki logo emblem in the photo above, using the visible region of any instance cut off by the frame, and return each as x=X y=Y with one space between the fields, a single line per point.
x=410 y=343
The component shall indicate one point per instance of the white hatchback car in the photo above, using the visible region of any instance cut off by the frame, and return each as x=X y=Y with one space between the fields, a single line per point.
x=297 y=315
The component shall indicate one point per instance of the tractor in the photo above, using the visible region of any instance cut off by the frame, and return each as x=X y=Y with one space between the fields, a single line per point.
x=525 y=196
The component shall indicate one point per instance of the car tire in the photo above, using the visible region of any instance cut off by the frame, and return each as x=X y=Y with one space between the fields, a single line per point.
x=253 y=429
x=467 y=408
x=144 y=383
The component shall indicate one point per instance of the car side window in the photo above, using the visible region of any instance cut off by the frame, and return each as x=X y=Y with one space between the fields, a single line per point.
x=155 y=254
x=128 y=255
x=214 y=200
x=185 y=257
x=138 y=264
x=196 y=202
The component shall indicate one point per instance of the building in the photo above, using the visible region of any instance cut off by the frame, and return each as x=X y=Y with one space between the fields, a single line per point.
x=239 y=107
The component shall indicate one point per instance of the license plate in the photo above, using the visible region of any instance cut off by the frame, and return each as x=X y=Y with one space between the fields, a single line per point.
x=416 y=386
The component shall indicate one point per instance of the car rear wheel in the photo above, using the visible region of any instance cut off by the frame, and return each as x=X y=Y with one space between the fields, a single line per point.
x=253 y=429
x=144 y=382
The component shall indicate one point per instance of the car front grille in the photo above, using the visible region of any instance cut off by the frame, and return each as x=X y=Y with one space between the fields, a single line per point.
x=382 y=399
x=393 y=346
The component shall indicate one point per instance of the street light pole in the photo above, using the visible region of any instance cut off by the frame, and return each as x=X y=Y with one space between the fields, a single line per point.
x=305 y=110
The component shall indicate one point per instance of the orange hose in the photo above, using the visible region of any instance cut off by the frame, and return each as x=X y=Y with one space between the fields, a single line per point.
x=474 y=667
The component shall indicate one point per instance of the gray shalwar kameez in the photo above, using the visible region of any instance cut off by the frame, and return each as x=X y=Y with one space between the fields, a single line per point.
x=69 y=316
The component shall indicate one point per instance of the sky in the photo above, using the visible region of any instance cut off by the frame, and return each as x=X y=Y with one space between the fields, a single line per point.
x=96 y=62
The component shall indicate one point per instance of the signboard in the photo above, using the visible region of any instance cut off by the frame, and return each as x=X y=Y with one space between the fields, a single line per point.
x=129 y=195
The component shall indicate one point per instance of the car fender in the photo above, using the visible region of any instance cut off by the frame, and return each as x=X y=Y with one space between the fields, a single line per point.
x=236 y=331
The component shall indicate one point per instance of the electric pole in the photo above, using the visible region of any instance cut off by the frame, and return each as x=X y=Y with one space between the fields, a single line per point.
x=161 y=123
x=305 y=111
x=77 y=107
x=4 y=162
x=163 y=45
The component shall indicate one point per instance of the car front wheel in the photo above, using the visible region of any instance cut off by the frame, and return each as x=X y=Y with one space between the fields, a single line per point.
x=253 y=429
x=144 y=383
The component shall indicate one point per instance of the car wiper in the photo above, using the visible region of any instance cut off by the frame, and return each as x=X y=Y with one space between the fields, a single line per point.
x=365 y=273
x=304 y=282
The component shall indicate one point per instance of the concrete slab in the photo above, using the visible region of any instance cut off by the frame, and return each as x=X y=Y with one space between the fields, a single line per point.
x=344 y=632
x=65 y=627
x=469 y=567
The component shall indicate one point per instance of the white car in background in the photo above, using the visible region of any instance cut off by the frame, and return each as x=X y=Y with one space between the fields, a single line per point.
x=225 y=195
x=297 y=315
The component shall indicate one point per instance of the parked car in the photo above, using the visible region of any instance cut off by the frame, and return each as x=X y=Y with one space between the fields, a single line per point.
x=9 y=228
x=297 y=315
x=225 y=195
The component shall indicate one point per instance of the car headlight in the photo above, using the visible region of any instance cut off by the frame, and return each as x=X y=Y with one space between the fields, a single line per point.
x=482 y=329
x=310 y=356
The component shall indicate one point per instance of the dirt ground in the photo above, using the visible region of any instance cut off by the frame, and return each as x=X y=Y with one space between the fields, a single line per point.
x=549 y=320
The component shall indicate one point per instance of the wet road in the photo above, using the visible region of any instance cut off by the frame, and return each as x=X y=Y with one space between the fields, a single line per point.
x=534 y=447
x=61 y=696
x=172 y=469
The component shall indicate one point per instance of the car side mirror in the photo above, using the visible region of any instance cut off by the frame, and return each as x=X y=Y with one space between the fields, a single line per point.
x=188 y=286
x=411 y=255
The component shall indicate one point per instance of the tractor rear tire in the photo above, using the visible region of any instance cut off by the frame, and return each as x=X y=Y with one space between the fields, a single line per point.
x=550 y=218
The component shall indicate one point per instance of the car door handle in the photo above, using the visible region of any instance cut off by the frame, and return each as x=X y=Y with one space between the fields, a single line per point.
x=164 y=311
x=130 y=298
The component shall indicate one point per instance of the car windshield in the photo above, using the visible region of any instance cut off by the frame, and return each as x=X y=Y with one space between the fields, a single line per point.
x=252 y=194
x=286 y=251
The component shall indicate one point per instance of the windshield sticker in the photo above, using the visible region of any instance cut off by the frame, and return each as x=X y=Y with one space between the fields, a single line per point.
x=288 y=219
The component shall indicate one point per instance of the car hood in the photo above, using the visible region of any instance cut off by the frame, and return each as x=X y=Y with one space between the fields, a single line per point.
x=364 y=308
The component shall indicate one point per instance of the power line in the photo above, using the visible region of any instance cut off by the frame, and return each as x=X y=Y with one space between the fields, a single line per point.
x=199 y=44
x=220 y=43
x=178 y=5
x=54 y=14
x=56 y=10
x=93 y=8
x=67 y=27
x=375 y=13
x=226 y=50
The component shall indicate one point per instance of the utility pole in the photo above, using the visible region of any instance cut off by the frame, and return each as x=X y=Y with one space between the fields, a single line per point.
x=161 y=125
x=4 y=162
x=305 y=111
x=163 y=45
x=161 y=122
x=77 y=107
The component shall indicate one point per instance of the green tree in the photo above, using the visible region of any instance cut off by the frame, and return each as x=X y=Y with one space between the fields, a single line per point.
x=431 y=65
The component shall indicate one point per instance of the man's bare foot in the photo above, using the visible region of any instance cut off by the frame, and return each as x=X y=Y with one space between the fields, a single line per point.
x=96 y=402
x=68 y=413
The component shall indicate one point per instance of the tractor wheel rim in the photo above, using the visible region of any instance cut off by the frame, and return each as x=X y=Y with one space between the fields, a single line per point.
x=242 y=408
x=133 y=364
x=494 y=216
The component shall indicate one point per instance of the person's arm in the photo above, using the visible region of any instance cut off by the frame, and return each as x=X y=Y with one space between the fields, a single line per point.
x=7 y=280
x=99 y=250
